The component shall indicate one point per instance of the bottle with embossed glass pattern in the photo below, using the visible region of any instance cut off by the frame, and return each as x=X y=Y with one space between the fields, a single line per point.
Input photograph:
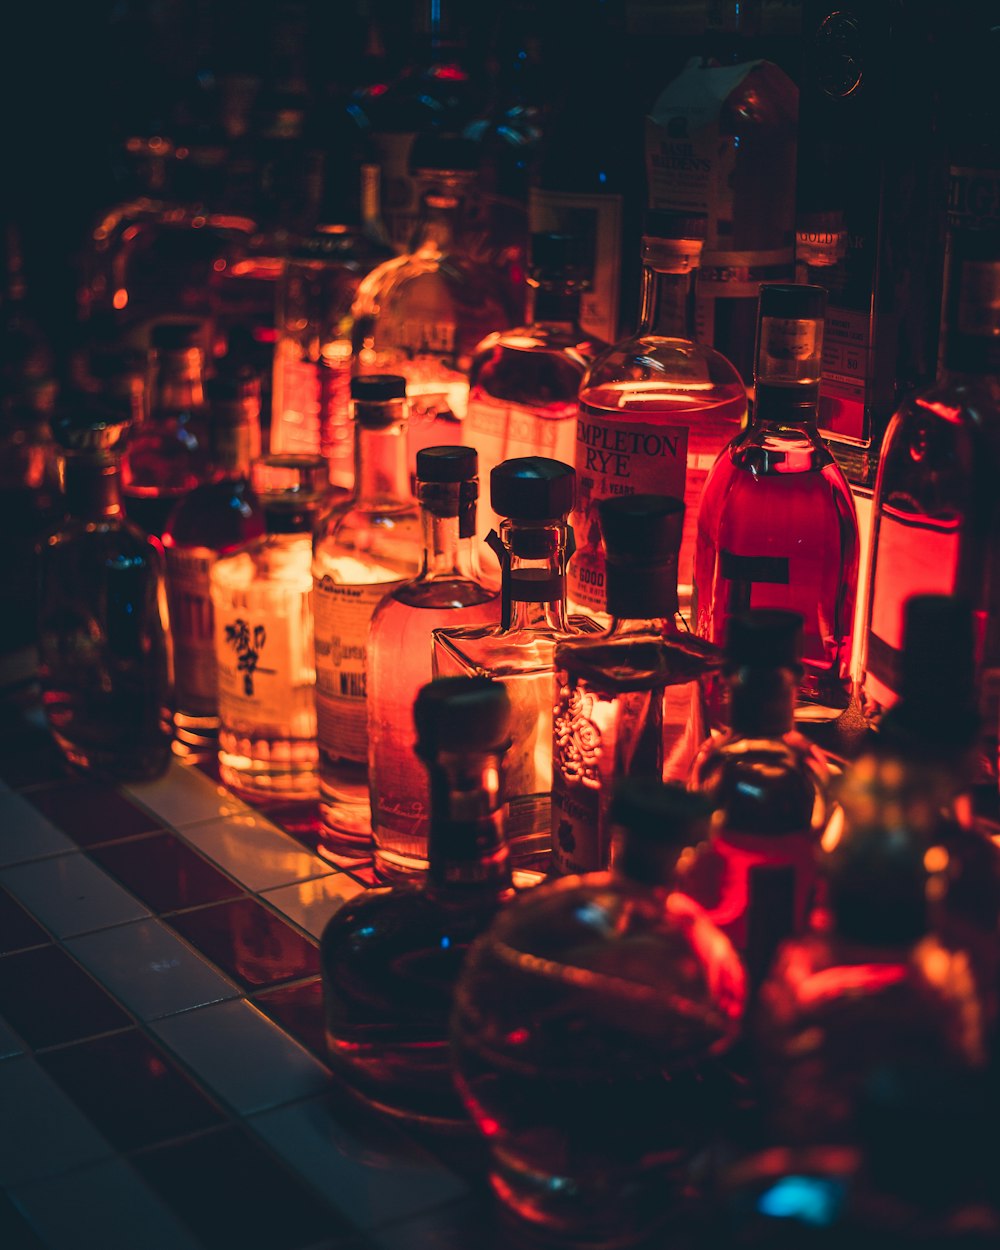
x=631 y=702
x=777 y=526
x=390 y=958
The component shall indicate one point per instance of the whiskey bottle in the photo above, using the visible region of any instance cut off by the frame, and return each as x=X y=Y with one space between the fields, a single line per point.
x=769 y=791
x=630 y=703
x=262 y=603
x=102 y=632
x=368 y=547
x=591 y=1022
x=534 y=495
x=777 y=527
x=446 y=590
x=655 y=410
x=390 y=958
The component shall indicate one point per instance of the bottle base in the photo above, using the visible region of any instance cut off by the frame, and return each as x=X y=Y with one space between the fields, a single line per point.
x=196 y=738
x=285 y=769
x=115 y=765
x=393 y=865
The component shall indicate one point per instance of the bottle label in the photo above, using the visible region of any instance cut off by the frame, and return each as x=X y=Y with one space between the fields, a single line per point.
x=257 y=667
x=502 y=431
x=617 y=458
x=191 y=627
x=296 y=402
x=343 y=617
x=847 y=355
x=785 y=339
x=578 y=798
x=738 y=275
x=979 y=299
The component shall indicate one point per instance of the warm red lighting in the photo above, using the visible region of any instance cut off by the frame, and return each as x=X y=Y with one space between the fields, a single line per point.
x=120 y=298
x=517 y=1037
x=951 y=415
x=451 y=73
x=219 y=265
x=856 y=979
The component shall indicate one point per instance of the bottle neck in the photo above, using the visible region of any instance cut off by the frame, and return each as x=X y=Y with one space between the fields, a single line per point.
x=235 y=439
x=92 y=488
x=441 y=217
x=762 y=702
x=289 y=519
x=667 y=307
x=381 y=463
x=177 y=384
x=532 y=559
x=448 y=516
x=466 y=844
x=732 y=29
x=787 y=371
x=642 y=591
x=554 y=304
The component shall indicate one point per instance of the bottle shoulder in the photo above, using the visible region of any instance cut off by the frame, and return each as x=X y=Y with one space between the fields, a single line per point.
x=491 y=651
x=219 y=515
x=638 y=662
x=273 y=559
x=531 y=366
x=370 y=544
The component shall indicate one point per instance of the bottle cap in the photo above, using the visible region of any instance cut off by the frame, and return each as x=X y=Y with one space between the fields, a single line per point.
x=642 y=538
x=764 y=638
x=461 y=714
x=792 y=301
x=91 y=426
x=175 y=336
x=564 y=255
x=447 y=464
x=373 y=388
x=657 y=821
x=667 y=224
x=532 y=488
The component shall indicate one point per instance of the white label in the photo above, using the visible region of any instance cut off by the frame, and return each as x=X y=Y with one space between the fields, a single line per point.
x=258 y=661
x=191 y=626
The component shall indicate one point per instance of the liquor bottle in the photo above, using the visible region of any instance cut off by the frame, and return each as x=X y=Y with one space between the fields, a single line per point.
x=168 y=454
x=655 y=410
x=934 y=511
x=631 y=702
x=769 y=791
x=367 y=548
x=422 y=314
x=390 y=958
x=262 y=597
x=446 y=590
x=102 y=633
x=777 y=527
x=721 y=140
x=590 y=1027
x=533 y=495
x=209 y=522
x=523 y=383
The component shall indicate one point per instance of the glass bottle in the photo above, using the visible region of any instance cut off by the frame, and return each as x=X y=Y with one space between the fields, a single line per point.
x=102 y=632
x=768 y=787
x=367 y=548
x=655 y=409
x=446 y=590
x=777 y=527
x=209 y=522
x=422 y=314
x=632 y=702
x=524 y=382
x=262 y=603
x=390 y=957
x=168 y=454
x=533 y=494
x=590 y=1026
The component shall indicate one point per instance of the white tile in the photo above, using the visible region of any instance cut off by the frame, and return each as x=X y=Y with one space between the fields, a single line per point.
x=151 y=970
x=242 y=1056
x=26 y=834
x=107 y=1206
x=10 y=1043
x=256 y=852
x=183 y=796
x=70 y=894
x=310 y=904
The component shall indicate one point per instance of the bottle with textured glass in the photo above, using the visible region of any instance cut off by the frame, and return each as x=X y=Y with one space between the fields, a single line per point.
x=524 y=382
x=590 y=1029
x=390 y=958
x=168 y=454
x=447 y=589
x=210 y=521
x=768 y=787
x=778 y=527
x=534 y=495
x=102 y=630
x=632 y=702
x=368 y=547
x=262 y=605
x=655 y=410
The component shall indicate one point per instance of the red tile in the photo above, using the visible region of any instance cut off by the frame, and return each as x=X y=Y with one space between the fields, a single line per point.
x=165 y=872
x=18 y=930
x=91 y=812
x=49 y=999
x=299 y=1011
x=249 y=942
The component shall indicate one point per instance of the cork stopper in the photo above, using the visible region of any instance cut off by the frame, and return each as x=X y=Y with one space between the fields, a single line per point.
x=532 y=488
x=460 y=715
x=642 y=538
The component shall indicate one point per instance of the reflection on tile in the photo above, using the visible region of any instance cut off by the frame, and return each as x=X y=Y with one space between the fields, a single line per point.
x=25 y=833
x=31 y=759
x=372 y=1172
x=52 y=1135
x=255 y=852
x=131 y=1090
x=233 y=1193
x=92 y=812
x=10 y=1043
x=311 y=903
x=165 y=872
x=49 y=999
x=299 y=1011
x=242 y=1056
x=15 y=1233
x=249 y=942
x=17 y=929
x=151 y=970
x=104 y=1207
x=184 y=795
x=71 y=895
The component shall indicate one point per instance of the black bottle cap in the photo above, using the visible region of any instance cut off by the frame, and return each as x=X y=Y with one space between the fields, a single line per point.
x=90 y=426
x=553 y=253
x=175 y=336
x=795 y=301
x=532 y=488
x=460 y=714
x=658 y=821
x=668 y=224
x=764 y=638
x=642 y=539
x=444 y=153
x=447 y=464
x=373 y=388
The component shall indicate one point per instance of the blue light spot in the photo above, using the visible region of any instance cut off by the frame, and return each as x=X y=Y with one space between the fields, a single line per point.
x=367 y=931
x=806 y=1198
x=602 y=177
x=445 y=943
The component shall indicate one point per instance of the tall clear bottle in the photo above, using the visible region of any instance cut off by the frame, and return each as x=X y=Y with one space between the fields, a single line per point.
x=778 y=527
x=447 y=589
x=368 y=547
x=631 y=703
x=533 y=495
x=262 y=603
x=655 y=409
